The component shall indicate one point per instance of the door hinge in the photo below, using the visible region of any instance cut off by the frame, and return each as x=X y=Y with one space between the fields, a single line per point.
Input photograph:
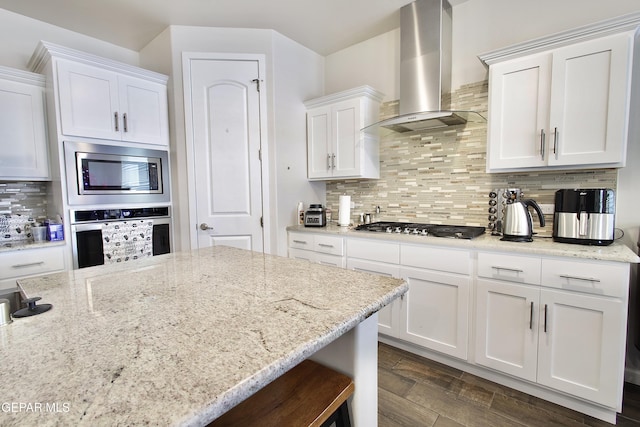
x=257 y=82
x=261 y=222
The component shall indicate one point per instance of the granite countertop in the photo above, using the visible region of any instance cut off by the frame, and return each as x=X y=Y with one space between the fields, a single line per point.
x=616 y=251
x=175 y=339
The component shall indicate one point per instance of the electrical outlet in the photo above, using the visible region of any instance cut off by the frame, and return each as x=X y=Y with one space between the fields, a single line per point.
x=547 y=208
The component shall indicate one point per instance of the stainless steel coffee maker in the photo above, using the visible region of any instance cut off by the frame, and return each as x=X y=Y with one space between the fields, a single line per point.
x=584 y=216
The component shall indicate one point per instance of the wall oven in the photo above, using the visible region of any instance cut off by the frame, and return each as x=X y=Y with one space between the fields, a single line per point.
x=106 y=236
x=99 y=174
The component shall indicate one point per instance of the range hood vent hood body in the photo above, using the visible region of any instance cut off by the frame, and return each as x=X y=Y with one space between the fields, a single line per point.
x=425 y=69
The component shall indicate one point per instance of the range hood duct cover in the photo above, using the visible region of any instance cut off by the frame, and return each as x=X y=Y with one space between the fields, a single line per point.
x=425 y=69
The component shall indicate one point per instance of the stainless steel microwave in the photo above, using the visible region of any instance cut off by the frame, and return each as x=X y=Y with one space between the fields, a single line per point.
x=103 y=174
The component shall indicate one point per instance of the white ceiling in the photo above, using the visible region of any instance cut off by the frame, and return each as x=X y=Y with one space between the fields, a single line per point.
x=324 y=26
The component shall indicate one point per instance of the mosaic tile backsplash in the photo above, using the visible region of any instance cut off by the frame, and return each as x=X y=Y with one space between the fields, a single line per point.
x=21 y=205
x=439 y=176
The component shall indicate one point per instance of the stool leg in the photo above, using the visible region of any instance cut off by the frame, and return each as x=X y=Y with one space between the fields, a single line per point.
x=340 y=417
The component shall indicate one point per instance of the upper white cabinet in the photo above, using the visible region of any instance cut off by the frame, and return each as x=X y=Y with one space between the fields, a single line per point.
x=23 y=136
x=103 y=99
x=564 y=108
x=336 y=148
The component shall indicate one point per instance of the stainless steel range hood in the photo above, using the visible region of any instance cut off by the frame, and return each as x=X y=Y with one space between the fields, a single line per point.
x=425 y=70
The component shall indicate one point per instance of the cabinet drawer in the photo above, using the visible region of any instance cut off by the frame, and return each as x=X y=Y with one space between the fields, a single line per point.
x=374 y=250
x=514 y=268
x=328 y=244
x=440 y=259
x=594 y=277
x=31 y=262
x=301 y=241
x=301 y=254
x=391 y=270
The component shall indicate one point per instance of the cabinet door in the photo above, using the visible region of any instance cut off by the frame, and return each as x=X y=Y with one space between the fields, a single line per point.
x=436 y=314
x=23 y=137
x=582 y=341
x=388 y=317
x=589 y=102
x=518 y=112
x=319 y=142
x=506 y=327
x=143 y=106
x=88 y=101
x=346 y=136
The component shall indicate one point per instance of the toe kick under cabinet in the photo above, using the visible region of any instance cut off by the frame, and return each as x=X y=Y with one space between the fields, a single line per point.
x=551 y=326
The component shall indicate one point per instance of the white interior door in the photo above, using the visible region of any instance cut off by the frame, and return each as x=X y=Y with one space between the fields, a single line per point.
x=225 y=124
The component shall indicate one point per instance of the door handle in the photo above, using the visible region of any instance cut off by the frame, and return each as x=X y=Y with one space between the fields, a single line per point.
x=531 y=316
x=115 y=121
x=204 y=227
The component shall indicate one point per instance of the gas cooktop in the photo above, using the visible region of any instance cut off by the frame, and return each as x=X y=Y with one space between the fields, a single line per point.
x=436 y=230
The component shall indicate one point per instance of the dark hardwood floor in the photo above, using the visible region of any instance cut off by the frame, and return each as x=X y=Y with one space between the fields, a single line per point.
x=414 y=391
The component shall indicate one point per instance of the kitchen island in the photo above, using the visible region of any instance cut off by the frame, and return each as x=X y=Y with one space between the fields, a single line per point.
x=179 y=339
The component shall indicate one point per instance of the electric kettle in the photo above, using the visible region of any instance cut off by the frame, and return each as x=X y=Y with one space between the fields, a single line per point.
x=517 y=223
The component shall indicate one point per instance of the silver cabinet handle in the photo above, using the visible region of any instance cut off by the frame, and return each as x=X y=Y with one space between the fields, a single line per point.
x=124 y=122
x=324 y=245
x=555 y=142
x=531 y=317
x=30 y=264
x=515 y=270
x=333 y=161
x=300 y=242
x=115 y=120
x=204 y=227
x=586 y=279
x=542 y=145
x=328 y=161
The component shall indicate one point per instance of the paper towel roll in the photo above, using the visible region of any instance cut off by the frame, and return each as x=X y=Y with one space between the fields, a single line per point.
x=344 y=211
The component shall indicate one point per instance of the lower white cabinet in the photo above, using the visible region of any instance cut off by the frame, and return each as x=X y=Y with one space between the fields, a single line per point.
x=320 y=249
x=378 y=258
x=389 y=316
x=436 y=311
x=29 y=262
x=566 y=332
x=555 y=324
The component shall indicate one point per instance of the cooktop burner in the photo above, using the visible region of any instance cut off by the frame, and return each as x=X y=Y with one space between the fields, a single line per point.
x=436 y=230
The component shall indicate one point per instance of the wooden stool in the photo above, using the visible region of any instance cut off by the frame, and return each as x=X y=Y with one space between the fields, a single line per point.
x=310 y=394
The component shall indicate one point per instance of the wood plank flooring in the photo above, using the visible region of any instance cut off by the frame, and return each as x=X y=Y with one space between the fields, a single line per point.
x=416 y=392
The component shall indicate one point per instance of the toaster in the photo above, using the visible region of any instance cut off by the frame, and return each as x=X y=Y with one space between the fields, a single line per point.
x=584 y=217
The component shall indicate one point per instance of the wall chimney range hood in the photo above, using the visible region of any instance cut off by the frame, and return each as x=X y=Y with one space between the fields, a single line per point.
x=425 y=70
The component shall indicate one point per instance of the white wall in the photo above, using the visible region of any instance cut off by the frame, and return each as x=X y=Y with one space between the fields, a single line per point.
x=479 y=26
x=294 y=74
x=298 y=75
x=20 y=36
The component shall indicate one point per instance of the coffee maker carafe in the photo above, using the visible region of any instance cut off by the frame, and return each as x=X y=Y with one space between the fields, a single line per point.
x=517 y=222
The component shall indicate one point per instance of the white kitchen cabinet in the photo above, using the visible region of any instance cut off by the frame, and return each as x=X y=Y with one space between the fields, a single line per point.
x=566 y=332
x=380 y=258
x=23 y=136
x=506 y=335
x=436 y=310
x=436 y=314
x=336 y=146
x=566 y=108
x=100 y=103
x=29 y=262
x=316 y=248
